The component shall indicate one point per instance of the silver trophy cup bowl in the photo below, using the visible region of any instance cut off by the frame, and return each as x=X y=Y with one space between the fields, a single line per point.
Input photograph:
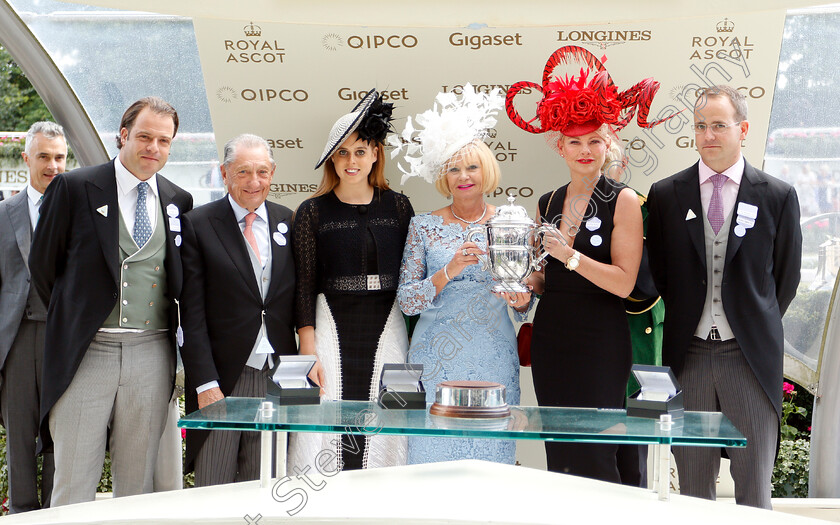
x=513 y=250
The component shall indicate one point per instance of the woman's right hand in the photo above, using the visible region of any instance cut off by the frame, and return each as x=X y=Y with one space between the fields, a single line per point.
x=465 y=255
x=307 y=347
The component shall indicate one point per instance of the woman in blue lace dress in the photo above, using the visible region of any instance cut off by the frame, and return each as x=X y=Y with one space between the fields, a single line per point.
x=465 y=331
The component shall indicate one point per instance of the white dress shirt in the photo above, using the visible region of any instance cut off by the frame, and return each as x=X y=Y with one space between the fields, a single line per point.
x=259 y=227
x=127 y=196
x=34 y=198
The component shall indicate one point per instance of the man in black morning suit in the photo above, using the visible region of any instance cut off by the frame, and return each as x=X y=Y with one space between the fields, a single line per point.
x=725 y=250
x=23 y=319
x=105 y=258
x=237 y=305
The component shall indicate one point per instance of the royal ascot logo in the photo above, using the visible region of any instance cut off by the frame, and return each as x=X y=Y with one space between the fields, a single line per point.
x=604 y=39
x=227 y=94
x=723 y=44
x=504 y=151
x=333 y=41
x=252 y=49
x=346 y=93
x=476 y=42
x=284 y=190
x=725 y=26
x=481 y=88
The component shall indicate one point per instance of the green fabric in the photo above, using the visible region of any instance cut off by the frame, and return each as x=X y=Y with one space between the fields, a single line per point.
x=646 y=328
x=146 y=307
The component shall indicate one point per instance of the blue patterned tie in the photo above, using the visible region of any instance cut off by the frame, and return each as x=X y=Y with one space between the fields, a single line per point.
x=142 y=226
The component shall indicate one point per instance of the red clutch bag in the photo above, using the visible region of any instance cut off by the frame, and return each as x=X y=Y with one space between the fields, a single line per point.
x=523 y=343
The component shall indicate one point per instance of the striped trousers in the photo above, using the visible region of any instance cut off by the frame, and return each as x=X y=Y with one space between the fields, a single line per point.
x=717 y=378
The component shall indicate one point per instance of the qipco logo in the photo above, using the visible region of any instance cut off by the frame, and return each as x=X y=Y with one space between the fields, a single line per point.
x=382 y=41
x=279 y=95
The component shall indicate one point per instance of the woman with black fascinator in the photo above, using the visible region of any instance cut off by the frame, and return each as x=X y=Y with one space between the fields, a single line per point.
x=348 y=241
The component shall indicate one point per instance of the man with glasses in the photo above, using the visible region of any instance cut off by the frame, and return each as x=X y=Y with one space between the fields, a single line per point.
x=725 y=250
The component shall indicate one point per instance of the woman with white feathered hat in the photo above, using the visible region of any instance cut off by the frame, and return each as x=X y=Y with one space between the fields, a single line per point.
x=464 y=331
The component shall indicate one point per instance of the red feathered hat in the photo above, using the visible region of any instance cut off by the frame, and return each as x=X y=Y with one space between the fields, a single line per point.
x=574 y=107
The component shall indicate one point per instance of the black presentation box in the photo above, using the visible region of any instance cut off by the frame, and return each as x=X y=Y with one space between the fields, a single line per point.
x=290 y=384
x=400 y=387
x=660 y=393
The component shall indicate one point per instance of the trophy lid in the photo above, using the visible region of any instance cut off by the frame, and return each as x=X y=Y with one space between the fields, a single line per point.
x=510 y=214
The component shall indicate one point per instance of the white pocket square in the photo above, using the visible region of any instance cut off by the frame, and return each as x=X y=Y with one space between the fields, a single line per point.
x=103 y=210
x=690 y=215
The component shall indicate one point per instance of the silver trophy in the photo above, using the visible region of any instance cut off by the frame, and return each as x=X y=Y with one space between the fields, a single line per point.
x=513 y=247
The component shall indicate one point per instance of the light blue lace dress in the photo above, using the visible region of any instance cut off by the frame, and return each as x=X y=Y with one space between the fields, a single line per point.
x=465 y=333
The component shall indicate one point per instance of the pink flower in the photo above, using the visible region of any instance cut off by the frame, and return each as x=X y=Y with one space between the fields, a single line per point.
x=183 y=433
x=787 y=388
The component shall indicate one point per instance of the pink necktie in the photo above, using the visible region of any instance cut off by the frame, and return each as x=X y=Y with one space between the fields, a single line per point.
x=715 y=213
x=249 y=233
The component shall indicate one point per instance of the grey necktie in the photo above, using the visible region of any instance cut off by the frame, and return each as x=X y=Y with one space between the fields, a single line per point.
x=142 y=226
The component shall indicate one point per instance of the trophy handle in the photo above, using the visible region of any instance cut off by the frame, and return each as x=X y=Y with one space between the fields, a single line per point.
x=539 y=253
x=474 y=230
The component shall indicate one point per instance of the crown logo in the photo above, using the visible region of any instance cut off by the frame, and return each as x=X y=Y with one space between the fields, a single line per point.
x=725 y=26
x=252 y=30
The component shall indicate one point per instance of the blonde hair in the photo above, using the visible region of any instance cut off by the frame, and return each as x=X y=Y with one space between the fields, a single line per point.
x=376 y=177
x=491 y=174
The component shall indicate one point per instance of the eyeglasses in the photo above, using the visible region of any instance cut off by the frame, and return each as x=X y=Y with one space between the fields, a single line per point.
x=717 y=128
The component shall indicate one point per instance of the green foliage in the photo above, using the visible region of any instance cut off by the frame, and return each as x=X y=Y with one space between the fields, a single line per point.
x=790 y=473
x=20 y=104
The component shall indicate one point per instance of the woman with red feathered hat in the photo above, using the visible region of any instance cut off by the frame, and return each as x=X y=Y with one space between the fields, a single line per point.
x=581 y=350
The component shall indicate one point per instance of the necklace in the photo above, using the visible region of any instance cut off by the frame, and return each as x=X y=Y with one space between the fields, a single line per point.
x=465 y=220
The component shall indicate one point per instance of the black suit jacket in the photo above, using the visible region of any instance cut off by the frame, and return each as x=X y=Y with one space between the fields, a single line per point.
x=221 y=303
x=75 y=262
x=760 y=273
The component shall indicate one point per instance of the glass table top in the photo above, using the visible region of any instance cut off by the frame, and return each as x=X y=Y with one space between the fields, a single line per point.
x=588 y=425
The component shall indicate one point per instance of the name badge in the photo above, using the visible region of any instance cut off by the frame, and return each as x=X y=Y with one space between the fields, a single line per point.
x=747 y=210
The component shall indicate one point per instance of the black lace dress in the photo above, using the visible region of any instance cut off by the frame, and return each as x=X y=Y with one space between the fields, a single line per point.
x=351 y=254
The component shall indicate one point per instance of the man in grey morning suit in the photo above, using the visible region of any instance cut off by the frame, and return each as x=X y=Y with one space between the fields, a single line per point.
x=725 y=249
x=23 y=318
x=237 y=305
x=106 y=259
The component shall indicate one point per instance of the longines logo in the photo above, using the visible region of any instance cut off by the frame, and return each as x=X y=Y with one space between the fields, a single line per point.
x=227 y=95
x=284 y=190
x=333 y=41
x=252 y=49
x=481 y=88
x=604 y=39
x=388 y=94
x=476 y=42
x=722 y=44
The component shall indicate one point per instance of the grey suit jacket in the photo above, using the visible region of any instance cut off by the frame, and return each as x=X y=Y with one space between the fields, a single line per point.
x=15 y=240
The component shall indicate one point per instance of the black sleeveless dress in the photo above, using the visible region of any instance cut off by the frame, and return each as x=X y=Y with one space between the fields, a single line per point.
x=580 y=351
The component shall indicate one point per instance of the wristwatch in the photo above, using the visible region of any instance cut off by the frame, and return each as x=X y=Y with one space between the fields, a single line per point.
x=573 y=261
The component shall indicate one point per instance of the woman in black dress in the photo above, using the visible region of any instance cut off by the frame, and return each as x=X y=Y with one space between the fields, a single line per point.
x=348 y=242
x=580 y=350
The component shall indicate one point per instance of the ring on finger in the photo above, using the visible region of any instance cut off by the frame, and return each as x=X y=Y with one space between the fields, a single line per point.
x=464 y=252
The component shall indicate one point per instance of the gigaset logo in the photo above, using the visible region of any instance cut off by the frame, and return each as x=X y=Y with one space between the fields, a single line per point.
x=388 y=94
x=476 y=42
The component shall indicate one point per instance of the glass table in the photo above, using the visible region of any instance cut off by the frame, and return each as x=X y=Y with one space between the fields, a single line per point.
x=586 y=425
